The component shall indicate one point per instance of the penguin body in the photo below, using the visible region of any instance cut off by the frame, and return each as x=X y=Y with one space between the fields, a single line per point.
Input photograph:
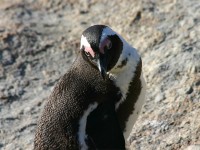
x=95 y=104
x=64 y=120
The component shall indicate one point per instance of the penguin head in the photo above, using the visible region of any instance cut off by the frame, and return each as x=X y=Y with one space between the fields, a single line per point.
x=102 y=47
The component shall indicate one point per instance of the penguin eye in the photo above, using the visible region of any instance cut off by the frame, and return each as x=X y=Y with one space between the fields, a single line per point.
x=109 y=45
x=87 y=54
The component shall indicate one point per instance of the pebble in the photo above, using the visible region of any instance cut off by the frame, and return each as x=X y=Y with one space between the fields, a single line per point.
x=197 y=83
x=7 y=58
x=189 y=90
x=159 y=97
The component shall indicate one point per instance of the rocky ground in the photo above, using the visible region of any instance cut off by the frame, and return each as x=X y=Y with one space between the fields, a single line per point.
x=39 y=40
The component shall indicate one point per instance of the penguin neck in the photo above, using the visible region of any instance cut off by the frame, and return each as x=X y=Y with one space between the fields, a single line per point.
x=124 y=71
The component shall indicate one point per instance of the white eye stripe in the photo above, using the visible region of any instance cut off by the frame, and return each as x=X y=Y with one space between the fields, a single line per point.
x=85 y=45
x=84 y=42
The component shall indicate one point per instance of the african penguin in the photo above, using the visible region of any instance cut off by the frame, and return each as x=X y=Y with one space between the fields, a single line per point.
x=80 y=112
x=118 y=60
x=97 y=99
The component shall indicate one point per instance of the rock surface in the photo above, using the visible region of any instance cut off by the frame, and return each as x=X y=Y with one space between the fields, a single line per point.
x=38 y=43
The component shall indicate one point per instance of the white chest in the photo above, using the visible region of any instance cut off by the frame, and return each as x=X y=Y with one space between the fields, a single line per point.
x=122 y=78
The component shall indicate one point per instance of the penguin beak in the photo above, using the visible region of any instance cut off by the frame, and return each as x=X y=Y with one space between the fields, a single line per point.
x=102 y=65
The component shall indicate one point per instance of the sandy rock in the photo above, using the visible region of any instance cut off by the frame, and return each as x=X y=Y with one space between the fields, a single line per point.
x=39 y=41
x=193 y=147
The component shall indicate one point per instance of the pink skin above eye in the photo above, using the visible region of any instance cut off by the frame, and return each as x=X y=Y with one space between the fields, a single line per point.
x=89 y=50
x=105 y=42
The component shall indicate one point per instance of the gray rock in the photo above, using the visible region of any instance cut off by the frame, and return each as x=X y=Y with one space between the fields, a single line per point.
x=193 y=147
x=39 y=41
